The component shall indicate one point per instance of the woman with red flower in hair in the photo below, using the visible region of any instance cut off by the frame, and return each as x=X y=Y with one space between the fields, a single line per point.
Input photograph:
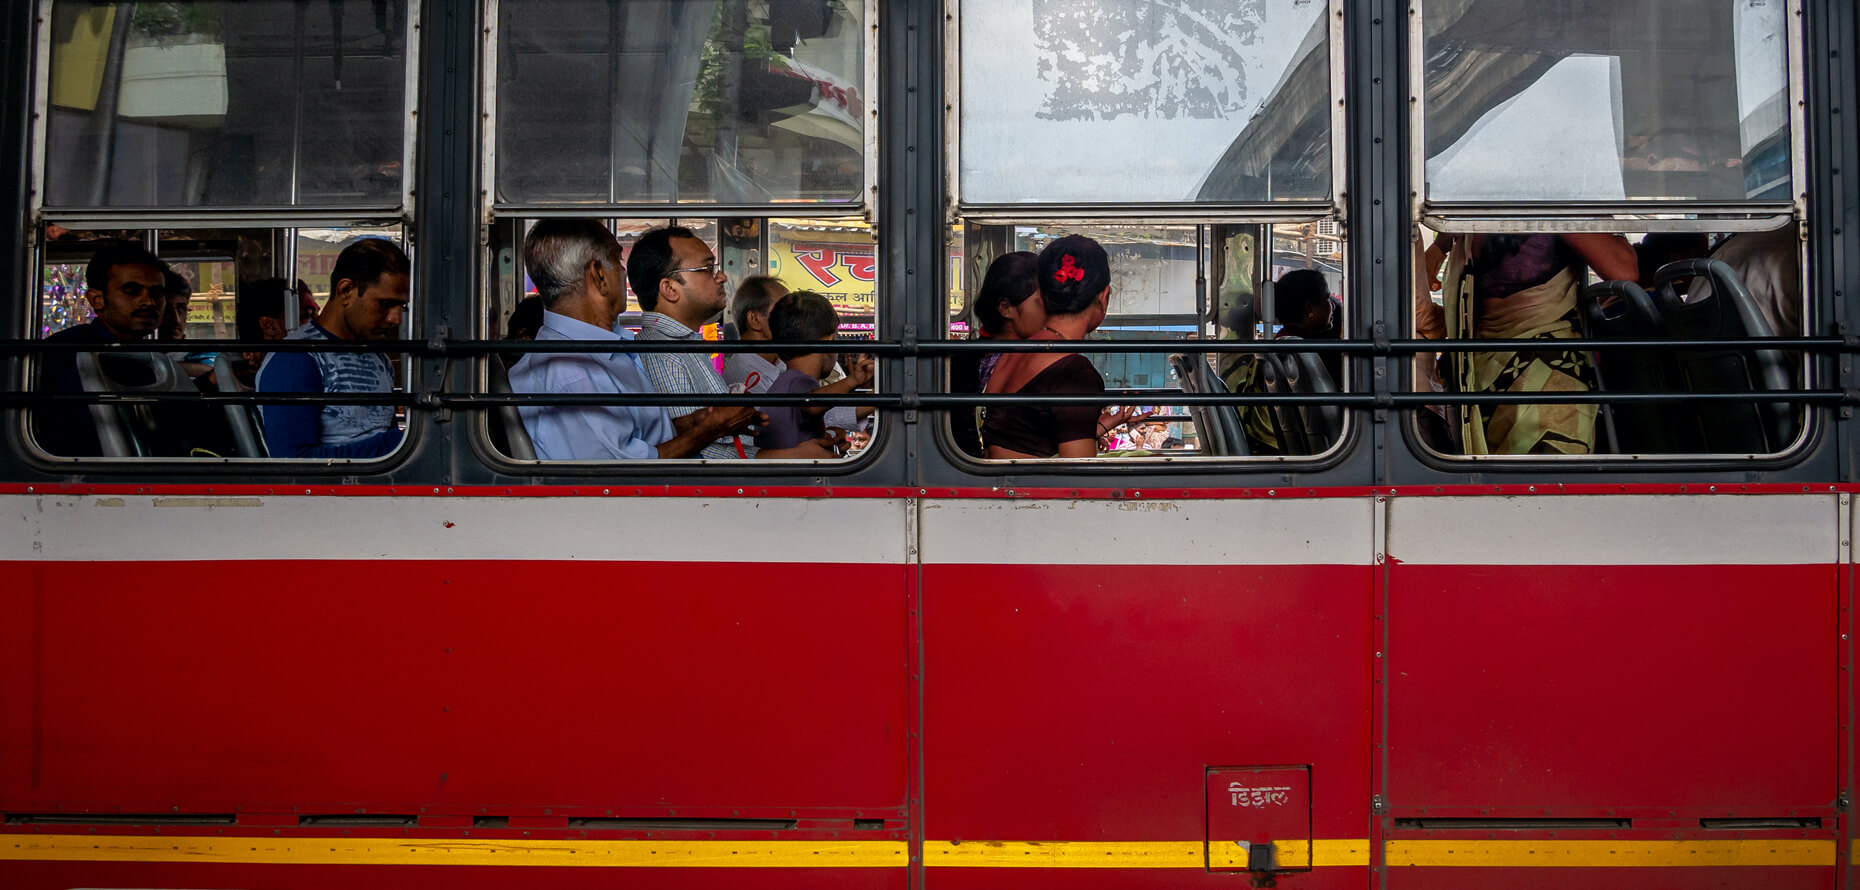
x=1075 y=288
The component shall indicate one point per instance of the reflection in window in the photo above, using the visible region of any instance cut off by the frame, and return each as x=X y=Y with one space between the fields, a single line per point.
x=1223 y=102
x=198 y=102
x=1677 y=100
x=663 y=101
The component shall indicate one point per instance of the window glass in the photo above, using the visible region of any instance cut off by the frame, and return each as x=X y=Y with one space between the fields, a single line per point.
x=1221 y=101
x=837 y=259
x=1179 y=284
x=664 y=101
x=206 y=103
x=1674 y=286
x=1569 y=101
x=239 y=284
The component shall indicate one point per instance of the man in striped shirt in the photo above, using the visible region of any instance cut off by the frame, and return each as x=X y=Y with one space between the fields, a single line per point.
x=679 y=285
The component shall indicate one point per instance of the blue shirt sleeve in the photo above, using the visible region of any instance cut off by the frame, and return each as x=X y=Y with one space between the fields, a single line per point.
x=290 y=430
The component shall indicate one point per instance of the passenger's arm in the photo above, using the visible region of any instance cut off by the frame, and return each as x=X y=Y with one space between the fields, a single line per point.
x=860 y=375
x=812 y=449
x=290 y=430
x=1611 y=256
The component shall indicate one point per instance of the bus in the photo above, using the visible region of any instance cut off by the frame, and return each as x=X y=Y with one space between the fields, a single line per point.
x=1381 y=590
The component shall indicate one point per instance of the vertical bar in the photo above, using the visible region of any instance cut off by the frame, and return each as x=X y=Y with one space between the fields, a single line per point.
x=909 y=205
x=1844 y=650
x=299 y=25
x=445 y=230
x=103 y=117
x=1378 y=687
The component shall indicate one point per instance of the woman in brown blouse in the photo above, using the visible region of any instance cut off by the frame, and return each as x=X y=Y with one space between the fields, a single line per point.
x=1075 y=288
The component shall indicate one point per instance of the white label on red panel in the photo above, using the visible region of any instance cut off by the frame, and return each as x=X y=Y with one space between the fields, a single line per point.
x=1277 y=795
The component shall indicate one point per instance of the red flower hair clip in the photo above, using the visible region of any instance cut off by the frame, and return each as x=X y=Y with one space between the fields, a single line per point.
x=1068 y=271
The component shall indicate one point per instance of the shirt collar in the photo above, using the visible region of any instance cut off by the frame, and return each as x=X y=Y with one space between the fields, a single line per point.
x=669 y=326
x=556 y=326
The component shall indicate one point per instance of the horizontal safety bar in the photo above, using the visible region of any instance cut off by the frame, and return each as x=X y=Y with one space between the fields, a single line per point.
x=889 y=348
x=933 y=401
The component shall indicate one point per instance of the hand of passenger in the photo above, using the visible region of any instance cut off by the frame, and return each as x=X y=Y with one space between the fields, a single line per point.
x=862 y=371
x=726 y=420
x=1113 y=418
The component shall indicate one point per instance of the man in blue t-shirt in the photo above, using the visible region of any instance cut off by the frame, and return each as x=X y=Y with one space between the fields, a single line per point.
x=368 y=294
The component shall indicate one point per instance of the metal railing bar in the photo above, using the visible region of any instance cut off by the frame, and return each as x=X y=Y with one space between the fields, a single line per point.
x=934 y=401
x=924 y=348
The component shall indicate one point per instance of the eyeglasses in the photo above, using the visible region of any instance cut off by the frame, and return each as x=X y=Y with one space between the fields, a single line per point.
x=709 y=268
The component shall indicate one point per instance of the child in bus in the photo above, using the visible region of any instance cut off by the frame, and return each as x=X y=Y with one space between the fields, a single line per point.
x=805 y=316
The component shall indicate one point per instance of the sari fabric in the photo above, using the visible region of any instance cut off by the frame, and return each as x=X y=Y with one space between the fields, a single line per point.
x=1544 y=312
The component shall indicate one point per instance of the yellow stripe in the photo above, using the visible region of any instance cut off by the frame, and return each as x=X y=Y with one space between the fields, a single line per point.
x=1129 y=854
x=468 y=851
x=1606 y=854
x=1324 y=853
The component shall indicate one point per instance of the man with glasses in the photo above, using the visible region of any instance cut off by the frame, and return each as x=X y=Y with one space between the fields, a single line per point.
x=127 y=290
x=679 y=286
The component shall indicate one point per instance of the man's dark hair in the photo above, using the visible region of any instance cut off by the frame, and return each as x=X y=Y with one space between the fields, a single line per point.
x=755 y=294
x=650 y=261
x=118 y=253
x=526 y=319
x=176 y=283
x=266 y=298
x=366 y=262
x=1011 y=279
x=1297 y=293
x=802 y=316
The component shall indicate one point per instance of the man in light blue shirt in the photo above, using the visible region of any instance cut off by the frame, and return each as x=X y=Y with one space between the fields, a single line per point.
x=575 y=265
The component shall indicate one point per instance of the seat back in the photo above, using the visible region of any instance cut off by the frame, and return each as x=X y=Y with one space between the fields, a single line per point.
x=1323 y=424
x=129 y=430
x=1224 y=417
x=1728 y=313
x=507 y=432
x=247 y=424
x=1288 y=421
x=1621 y=310
x=1206 y=435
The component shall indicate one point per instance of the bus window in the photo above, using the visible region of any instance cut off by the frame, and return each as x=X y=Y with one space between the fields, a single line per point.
x=1057 y=99
x=1663 y=286
x=248 y=284
x=1166 y=284
x=226 y=104
x=1617 y=102
x=745 y=103
x=1198 y=166
x=758 y=263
